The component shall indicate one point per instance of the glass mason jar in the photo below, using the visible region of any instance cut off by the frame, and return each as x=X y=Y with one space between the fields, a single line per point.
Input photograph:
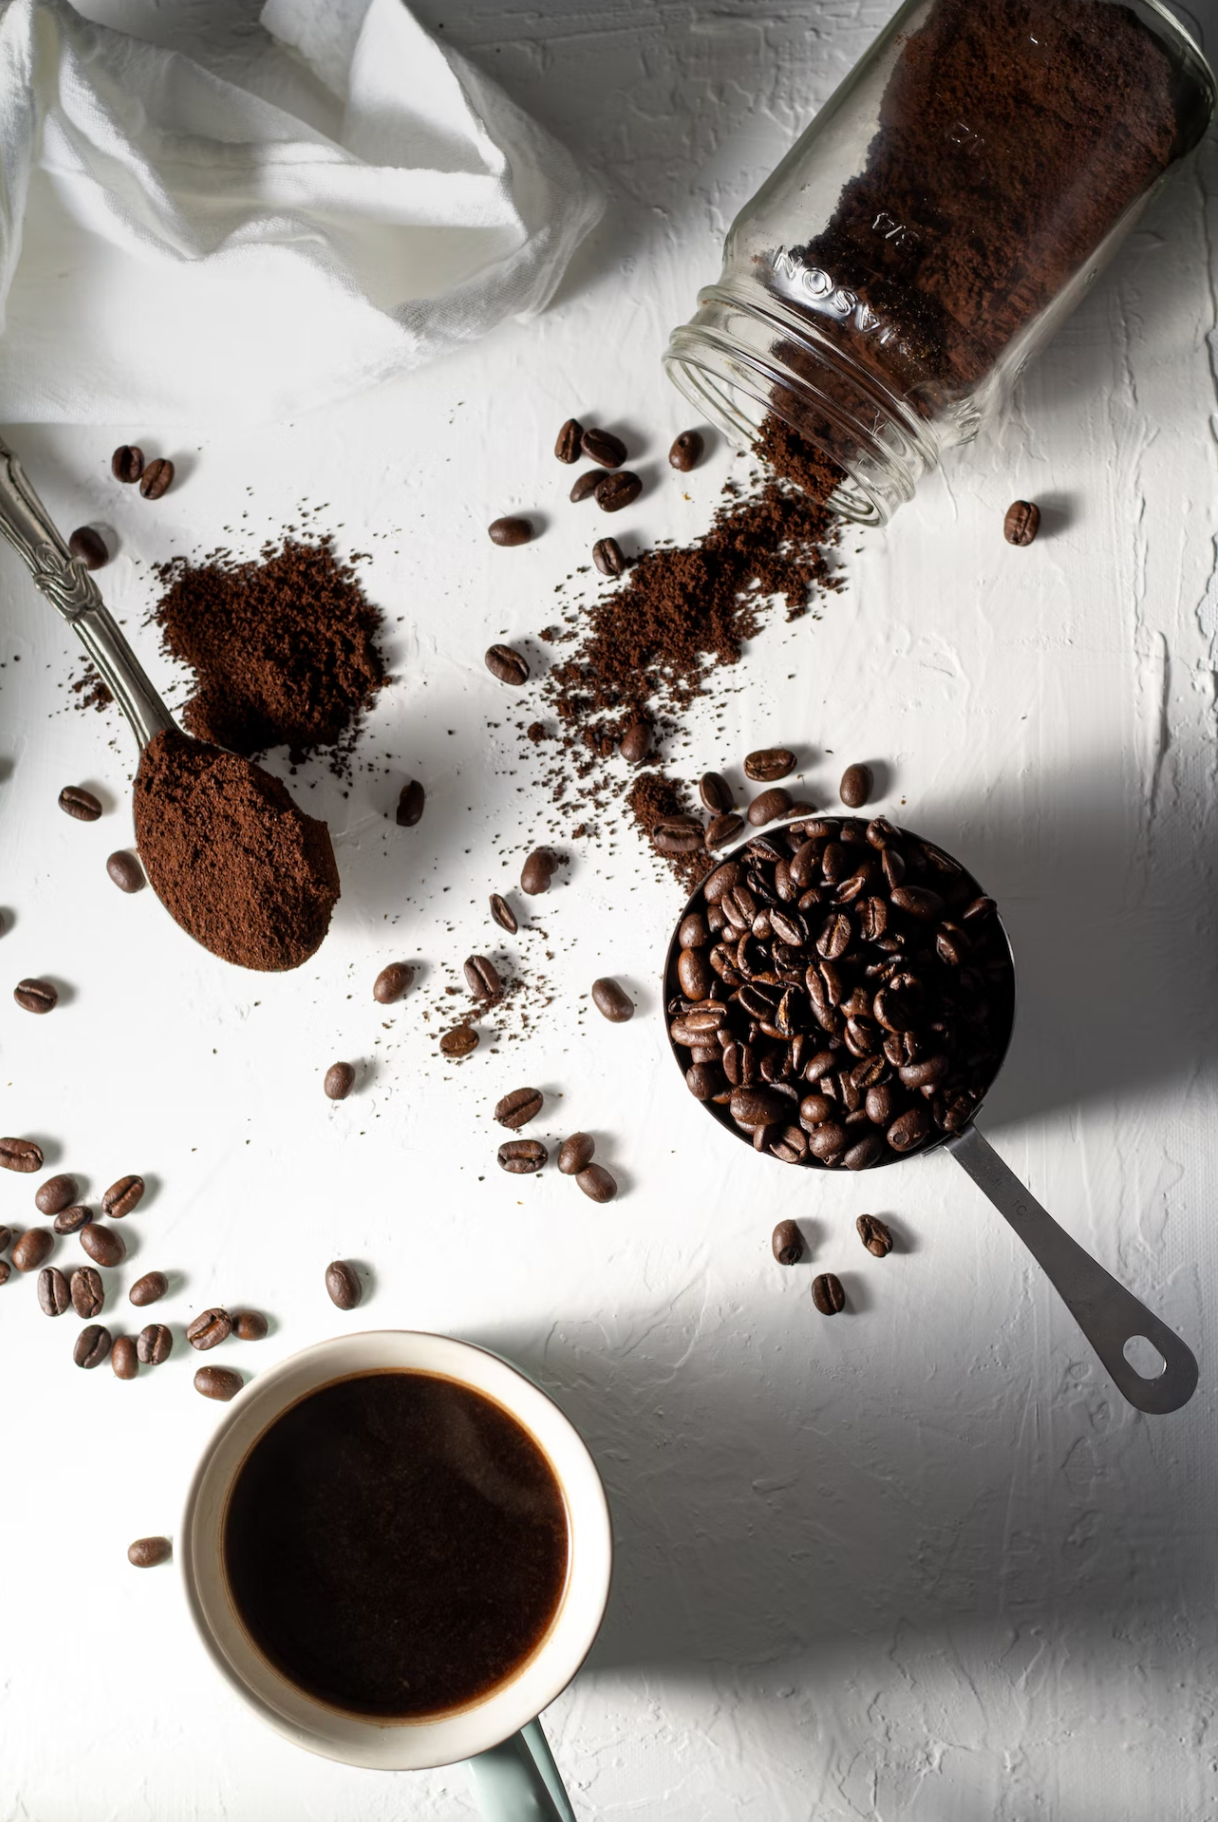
x=944 y=212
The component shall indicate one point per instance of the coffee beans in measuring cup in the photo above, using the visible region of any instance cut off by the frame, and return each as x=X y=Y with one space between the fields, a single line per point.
x=853 y=993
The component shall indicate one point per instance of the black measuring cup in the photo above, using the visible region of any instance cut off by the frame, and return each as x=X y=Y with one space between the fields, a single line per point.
x=1110 y=1316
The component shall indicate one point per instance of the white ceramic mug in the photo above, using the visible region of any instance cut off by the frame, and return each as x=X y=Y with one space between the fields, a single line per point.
x=513 y=1773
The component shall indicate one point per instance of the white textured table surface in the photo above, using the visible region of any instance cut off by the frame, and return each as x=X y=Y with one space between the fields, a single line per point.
x=919 y=1563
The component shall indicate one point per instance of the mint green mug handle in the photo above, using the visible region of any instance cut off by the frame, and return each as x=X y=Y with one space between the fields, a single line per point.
x=519 y=1782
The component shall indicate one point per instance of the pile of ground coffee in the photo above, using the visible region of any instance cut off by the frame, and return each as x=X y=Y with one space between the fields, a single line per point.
x=230 y=856
x=651 y=799
x=283 y=648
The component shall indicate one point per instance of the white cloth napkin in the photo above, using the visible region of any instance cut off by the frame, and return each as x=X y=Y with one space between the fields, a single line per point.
x=176 y=248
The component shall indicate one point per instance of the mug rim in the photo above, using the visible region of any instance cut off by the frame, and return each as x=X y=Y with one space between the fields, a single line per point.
x=399 y=1743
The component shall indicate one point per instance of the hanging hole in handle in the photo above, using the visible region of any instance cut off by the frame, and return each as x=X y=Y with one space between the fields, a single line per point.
x=1144 y=1357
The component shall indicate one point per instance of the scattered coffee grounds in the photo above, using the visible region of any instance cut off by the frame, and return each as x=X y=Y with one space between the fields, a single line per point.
x=283 y=648
x=654 y=799
x=230 y=856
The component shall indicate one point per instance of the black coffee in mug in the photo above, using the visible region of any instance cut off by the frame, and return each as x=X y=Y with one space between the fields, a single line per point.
x=396 y=1544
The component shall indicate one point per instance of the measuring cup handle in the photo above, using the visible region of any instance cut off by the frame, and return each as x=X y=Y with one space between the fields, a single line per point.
x=1108 y=1314
x=519 y=1781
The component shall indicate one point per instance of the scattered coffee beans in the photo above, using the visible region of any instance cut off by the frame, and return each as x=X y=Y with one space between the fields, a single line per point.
x=608 y=557
x=518 y=1108
x=855 y=787
x=586 y=484
x=636 y=742
x=509 y=665
x=127 y=462
x=827 y=1294
x=603 y=447
x=148 y=1289
x=79 y=803
x=89 y=546
x=769 y=806
x=154 y=1344
x=71 y=1220
x=411 y=804
x=338 y=1081
x=56 y=1193
x=596 y=1183
x=686 y=451
x=509 y=532
x=875 y=1235
x=569 y=439
x=677 y=835
x=104 y=1245
x=482 y=978
x=618 y=490
x=35 y=995
x=250 y=1325
x=392 y=982
x=460 y=1041
x=522 y=1156
x=716 y=793
x=157 y=478
x=124 y=1359
x=209 y=1329
x=723 y=831
x=87 y=1292
x=53 y=1294
x=343 y=1284
x=32 y=1248
x=611 y=1000
x=125 y=870
x=1022 y=522
x=92 y=1346
x=788 y=1243
x=576 y=1153
x=148 y=1552
x=769 y=764
x=537 y=872
x=218 y=1382
x=20 y=1154
x=122 y=1197
x=503 y=914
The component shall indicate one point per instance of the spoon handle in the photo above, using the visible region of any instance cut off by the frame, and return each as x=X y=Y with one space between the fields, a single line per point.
x=70 y=589
x=1108 y=1314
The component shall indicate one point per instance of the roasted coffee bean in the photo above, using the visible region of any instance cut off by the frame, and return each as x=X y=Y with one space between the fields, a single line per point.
x=618 y=490
x=411 y=803
x=124 y=1359
x=157 y=478
x=586 y=484
x=55 y=1193
x=125 y=870
x=788 y=1243
x=769 y=764
x=677 y=835
x=815 y=1109
x=209 y=1329
x=30 y=1250
x=693 y=933
x=721 y=881
x=704 y=1079
x=92 y=1346
x=509 y=665
x=723 y=831
x=89 y=546
x=482 y=978
x=127 y=462
x=596 y=1183
x=835 y=935
x=769 y=806
x=104 y=1245
x=827 y=1141
x=79 y=803
x=36 y=995
x=521 y=1157
x=519 y=1107
x=218 y=1382
x=567 y=446
x=71 y=1220
x=827 y=1294
x=148 y=1289
x=880 y=1104
x=612 y=1000
x=5 y=1270
x=503 y=914
x=392 y=982
x=979 y=908
x=875 y=1235
x=6 y=1234
x=460 y=1041
x=87 y=1292
x=865 y=1152
x=537 y=872
x=154 y=1344
x=147 y=1552
x=686 y=451
x=855 y=787
x=918 y=901
x=951 y=945
x=927 y=1072
x=53 y=1294
x=1022 y=522
x=603 y=447
x=338 y=1081
x=636 y=742
x=695 y=974
x=763 y=1106
x=250 y=1325
x=716 y=793
x=343 y=1284
x=123 y=1197
x=909 y=1129
x=509 y=532
x=608 y=557
x=575 y=1153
